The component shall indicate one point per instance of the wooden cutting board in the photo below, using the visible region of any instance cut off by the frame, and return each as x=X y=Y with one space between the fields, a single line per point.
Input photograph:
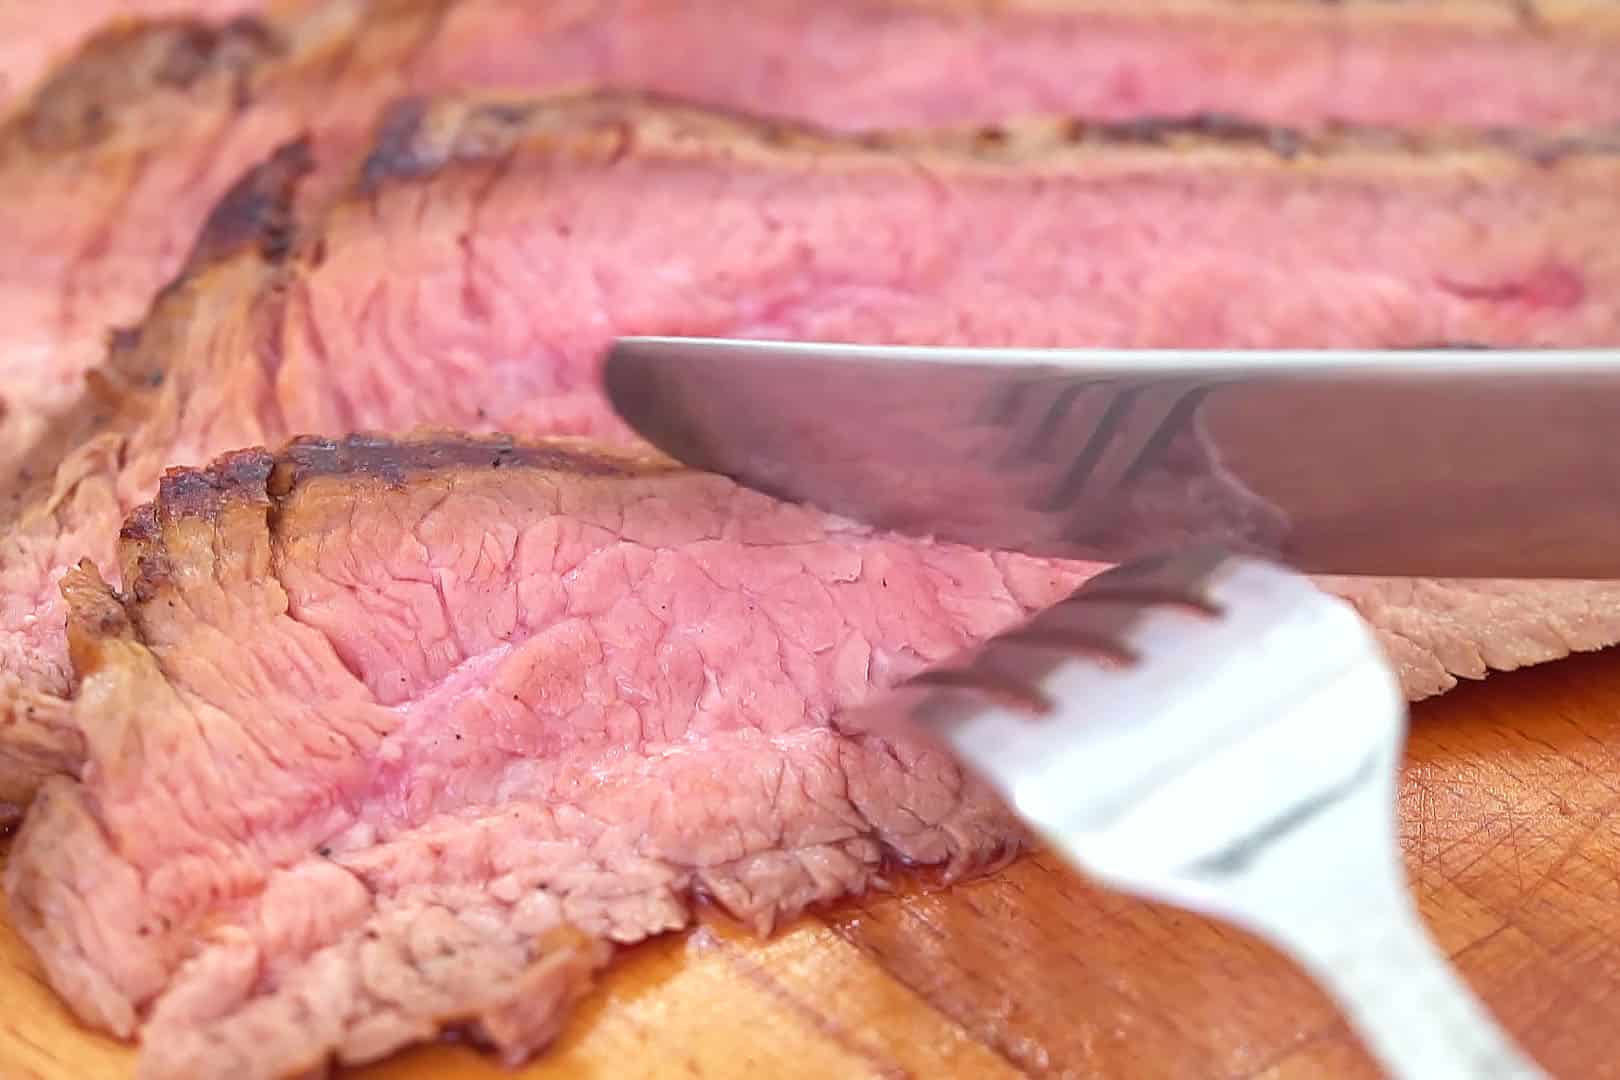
x=1511 y=810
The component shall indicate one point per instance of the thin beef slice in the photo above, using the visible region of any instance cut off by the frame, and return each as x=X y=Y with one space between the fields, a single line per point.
x=111 y=166
x=492 y=249
x=893 y=63
x=389 y=737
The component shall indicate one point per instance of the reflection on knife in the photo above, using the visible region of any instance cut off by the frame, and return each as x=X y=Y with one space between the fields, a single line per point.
x=1448 y=463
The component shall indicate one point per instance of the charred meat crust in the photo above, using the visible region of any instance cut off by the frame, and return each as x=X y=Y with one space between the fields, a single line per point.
x=242 y=476
x=256 y=214
x=396 y=461
x=395 y=147
x=256 y=217
x=418 y=137
x=258 y=477
x=78 y=104
x=96 y=614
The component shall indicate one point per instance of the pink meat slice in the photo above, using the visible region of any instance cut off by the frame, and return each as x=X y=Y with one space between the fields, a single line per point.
x=111 y=164
x=494 y=247
x=390 y=737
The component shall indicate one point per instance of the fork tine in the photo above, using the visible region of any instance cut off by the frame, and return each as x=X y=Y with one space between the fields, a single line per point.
x=1036 y=428
x=1097 y=441
x=1173 y=578
x=1137 y=429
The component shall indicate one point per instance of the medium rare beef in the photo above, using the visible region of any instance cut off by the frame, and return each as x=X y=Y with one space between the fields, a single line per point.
x=110 y=169
x=387 y=737
x=493 y=249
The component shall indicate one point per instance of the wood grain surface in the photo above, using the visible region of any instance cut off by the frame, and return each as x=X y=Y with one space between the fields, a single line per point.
x=1511 y=823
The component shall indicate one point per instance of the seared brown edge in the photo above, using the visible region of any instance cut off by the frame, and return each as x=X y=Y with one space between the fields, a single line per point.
x=257 y=477
x=414 y=138
x=80 y=102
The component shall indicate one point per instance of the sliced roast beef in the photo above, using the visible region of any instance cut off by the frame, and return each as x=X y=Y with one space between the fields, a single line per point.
x=386 y=737
x=892 y=63
x=494 y=248
x=110 y=169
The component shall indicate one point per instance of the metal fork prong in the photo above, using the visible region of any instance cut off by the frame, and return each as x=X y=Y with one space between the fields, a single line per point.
x=1183 y=578
x=1178 y=420
x=1090 y=626
x=1031 y=433
x=1098 y=645
x=991 y=686
x=1040 y=443
x=1098 y=440
x=1023 y=396
x=1004 y=406
x=1131 y=439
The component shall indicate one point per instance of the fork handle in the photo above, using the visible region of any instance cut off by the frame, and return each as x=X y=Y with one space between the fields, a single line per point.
x=1368 y=947
x=1411 y=1009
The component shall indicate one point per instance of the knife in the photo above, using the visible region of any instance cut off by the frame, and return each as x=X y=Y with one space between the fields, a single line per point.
x=1426 y=462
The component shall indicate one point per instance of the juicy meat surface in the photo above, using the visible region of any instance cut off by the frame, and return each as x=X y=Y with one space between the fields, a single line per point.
x=386 y=737
x=110 y=167
x=492 y=249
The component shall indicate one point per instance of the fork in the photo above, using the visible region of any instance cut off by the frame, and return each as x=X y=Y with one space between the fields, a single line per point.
x=1216 y=733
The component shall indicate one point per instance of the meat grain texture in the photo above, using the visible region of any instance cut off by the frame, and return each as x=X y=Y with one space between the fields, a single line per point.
x=658 y=679
x=502 y=703
x=383 y=737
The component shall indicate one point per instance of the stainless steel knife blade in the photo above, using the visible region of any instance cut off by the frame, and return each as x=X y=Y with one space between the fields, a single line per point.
x=1433 y=462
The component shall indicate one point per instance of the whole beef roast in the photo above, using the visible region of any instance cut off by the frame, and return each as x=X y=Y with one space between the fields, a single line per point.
x=388 y=737
x=110 y=168
x=493 y=248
